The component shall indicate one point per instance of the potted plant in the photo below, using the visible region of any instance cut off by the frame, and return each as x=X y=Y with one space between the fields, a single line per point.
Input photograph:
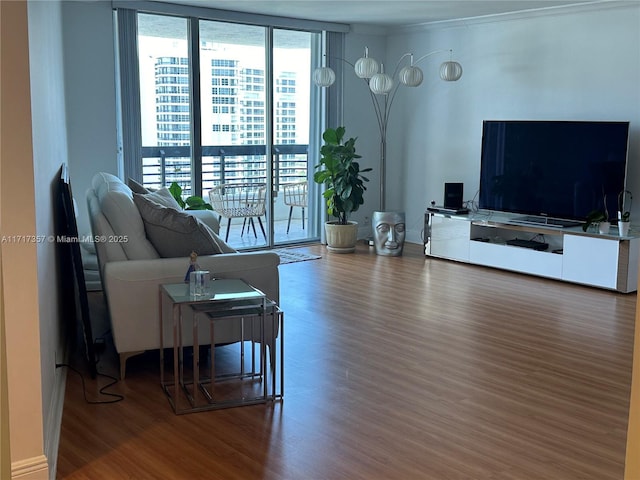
x=340 y=173
x=624 y=212
x=191 y=203
x=599 y=218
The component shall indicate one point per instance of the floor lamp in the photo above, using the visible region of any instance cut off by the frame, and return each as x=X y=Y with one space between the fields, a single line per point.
x=384 y=87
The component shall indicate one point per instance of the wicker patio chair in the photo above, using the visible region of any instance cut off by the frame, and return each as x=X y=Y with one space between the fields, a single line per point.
x=295 y=195
x=245 y=200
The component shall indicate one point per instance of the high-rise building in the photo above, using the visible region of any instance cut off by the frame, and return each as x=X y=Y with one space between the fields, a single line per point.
x=232 y=104
x=233 y=111
x=172 y=101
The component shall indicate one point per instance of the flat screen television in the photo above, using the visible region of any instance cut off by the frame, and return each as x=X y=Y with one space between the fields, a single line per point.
x=552 y=169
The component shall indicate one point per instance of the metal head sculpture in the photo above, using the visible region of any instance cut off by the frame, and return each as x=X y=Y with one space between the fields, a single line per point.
x=389 y=233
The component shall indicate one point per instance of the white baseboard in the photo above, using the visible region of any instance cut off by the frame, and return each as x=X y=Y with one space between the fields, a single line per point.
x=35 y=468
x=39 y=468
x=53 y=426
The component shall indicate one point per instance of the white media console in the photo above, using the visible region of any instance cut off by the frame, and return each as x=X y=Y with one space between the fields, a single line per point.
x=572 y=255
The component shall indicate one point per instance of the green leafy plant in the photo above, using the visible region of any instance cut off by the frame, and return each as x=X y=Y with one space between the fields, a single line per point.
x=597 y=216
x=190 y=203
x=594 y=217
x=340 y=174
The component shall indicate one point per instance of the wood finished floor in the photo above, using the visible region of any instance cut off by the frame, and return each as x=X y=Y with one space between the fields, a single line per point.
x=395 y=368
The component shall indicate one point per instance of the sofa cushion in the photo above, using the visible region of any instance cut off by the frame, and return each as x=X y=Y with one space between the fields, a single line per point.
x=116 y=203
x=100 y=227
x=163 y=197
x=176 y=233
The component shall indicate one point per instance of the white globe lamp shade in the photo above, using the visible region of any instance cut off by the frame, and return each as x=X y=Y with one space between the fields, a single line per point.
x=450 y=71
x=324 y=77
x=381 y=84
x=411 y=76
x=366 y=67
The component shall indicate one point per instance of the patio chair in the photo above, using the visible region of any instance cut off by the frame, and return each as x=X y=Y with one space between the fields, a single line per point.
x=295 y=195
x=243 y=200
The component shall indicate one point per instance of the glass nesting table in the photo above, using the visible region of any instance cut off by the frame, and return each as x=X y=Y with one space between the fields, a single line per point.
x=227 y=346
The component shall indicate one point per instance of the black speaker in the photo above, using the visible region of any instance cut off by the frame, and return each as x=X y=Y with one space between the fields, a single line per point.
x=453 y=195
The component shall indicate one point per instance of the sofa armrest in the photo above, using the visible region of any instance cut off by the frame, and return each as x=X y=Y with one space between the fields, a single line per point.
x=132 y=290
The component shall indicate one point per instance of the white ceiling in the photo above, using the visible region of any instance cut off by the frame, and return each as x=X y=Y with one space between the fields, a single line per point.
x=387 y=13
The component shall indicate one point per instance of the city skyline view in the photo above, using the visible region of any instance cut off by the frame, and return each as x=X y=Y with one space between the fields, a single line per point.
x=233 y=101
x=242 y=105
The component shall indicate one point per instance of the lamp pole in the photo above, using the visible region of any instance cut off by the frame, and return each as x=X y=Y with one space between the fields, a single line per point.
x=386 y=86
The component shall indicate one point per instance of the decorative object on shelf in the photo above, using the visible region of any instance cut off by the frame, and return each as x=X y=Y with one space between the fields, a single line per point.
x=193 y=266
x=598 y=218
x=190 y=203
x=199 y=283
x=385 y=85
x=595 y=218
x=623 y=228
x=388 y=233
x=344 y=188
x=604 y=227
x=624 y=212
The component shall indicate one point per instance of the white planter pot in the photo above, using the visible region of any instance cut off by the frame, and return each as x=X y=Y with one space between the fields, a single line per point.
x=623 y=228
x=341 y=238
x=604 y=227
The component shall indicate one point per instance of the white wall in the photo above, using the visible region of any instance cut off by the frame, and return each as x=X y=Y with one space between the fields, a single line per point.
x=49 y=152
x=583 y=65
x=89 y=67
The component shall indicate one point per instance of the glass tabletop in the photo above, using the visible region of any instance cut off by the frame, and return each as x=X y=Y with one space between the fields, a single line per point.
x=222 y=289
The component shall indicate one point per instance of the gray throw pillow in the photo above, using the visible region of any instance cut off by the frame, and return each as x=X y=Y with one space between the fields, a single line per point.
x=137 y=187
x=175 y=233
x=163 y=197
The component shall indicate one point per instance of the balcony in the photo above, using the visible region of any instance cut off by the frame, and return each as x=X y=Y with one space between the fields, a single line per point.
x=235 y=164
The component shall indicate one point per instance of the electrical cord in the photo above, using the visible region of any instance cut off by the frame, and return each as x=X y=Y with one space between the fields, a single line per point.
x=472 y=205
x=116 y=397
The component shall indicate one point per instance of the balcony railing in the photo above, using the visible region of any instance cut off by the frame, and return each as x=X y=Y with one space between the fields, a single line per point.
x=224 y=164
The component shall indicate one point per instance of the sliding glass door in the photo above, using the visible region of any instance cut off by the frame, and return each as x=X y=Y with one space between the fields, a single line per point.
x=234 y=117
x=227 y=108
x=292 y=117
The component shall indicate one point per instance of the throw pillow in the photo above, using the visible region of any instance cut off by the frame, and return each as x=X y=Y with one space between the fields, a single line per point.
x=137 y=187
x=176 y=233
x=163 y=197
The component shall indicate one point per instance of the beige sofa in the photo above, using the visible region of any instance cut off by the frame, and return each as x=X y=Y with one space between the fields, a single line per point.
x=132 y=270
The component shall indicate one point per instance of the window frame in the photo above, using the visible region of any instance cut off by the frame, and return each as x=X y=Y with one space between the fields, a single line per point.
x=326 y=102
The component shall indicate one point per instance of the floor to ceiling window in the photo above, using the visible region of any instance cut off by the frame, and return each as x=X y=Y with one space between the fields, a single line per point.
x=165 y=100
x=226 y=108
